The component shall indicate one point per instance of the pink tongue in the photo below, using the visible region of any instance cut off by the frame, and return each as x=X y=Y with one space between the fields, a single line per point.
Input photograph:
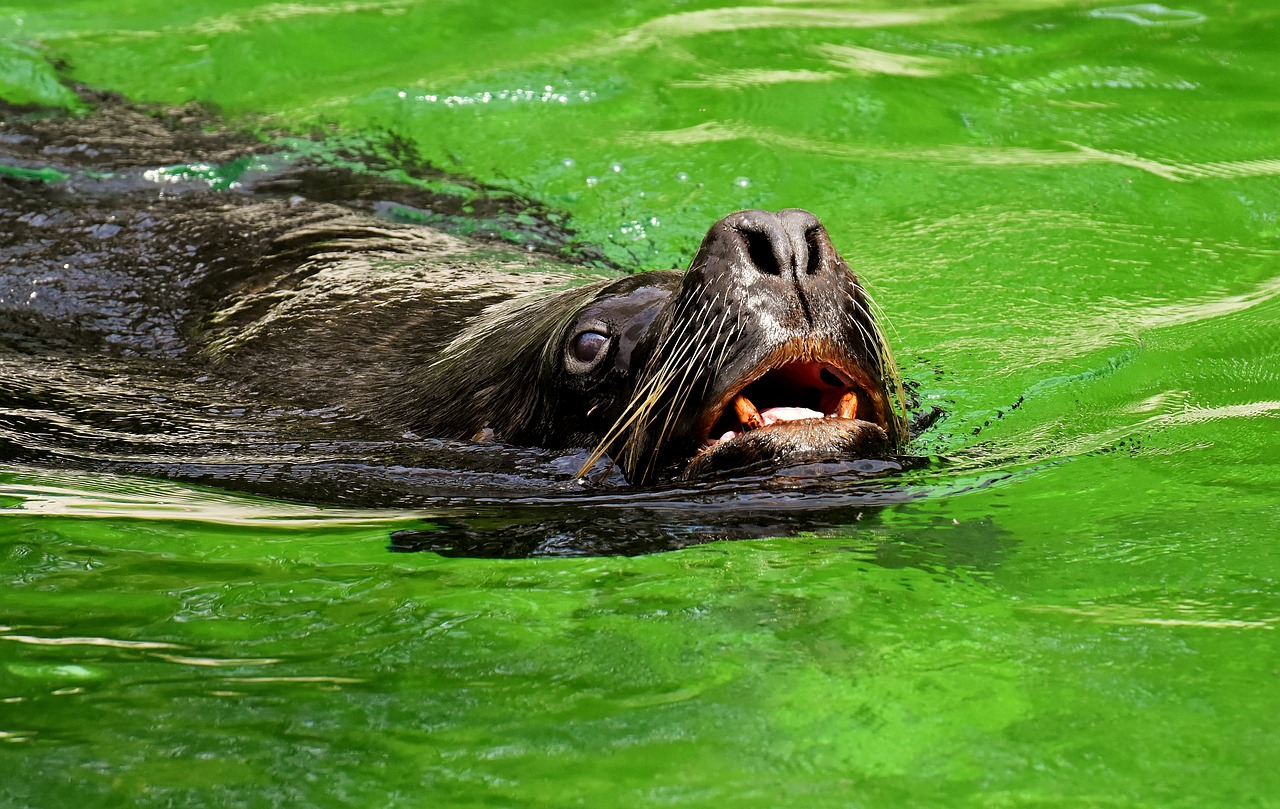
x=775 y=414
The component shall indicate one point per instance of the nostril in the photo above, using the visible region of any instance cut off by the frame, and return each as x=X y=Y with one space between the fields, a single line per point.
x=811 y=237
x=760 y=249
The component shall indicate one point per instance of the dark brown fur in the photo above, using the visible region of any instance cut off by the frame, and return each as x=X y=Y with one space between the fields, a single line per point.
x=325 y=304
x=384 y=321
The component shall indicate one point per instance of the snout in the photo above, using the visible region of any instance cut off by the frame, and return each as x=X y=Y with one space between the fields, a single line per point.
x=784 y=259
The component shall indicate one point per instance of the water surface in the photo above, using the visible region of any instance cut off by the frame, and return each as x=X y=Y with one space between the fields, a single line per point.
x=1068 y=211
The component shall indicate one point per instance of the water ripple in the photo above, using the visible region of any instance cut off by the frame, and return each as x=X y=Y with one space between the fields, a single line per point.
x=976 y=156
x=111 y=642
x=733 y=79
x=1149 y=14
x=868 y=60
x=237 y=22
x=661 y=30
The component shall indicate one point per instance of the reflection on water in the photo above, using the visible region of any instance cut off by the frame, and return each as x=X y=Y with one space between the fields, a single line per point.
x=978 y=157
x=869 y=60
x=745 y=18
x=1149 y=14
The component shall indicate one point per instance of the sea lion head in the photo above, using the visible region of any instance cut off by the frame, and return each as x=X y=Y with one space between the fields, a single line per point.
x=765 y=352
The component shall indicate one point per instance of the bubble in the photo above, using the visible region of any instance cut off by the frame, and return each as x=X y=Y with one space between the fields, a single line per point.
x=682 y=177
x=616 y=168
x=568 y=162
x=592 y=180
x=742 y=182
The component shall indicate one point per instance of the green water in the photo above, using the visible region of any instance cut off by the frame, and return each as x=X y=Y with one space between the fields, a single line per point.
x=1069 y=211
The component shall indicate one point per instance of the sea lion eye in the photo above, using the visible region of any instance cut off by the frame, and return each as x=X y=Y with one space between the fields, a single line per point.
x=588 y=345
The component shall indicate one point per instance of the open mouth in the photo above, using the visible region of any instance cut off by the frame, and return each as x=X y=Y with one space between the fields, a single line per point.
x=796 y=384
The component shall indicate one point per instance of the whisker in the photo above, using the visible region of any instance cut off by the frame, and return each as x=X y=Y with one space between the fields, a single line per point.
x=709 y=336
x=644 y=398
x=676 y=398
x=703 y=341
x=890 y=375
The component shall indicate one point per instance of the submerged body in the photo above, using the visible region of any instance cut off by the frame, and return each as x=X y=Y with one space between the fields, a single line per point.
x=764 y=353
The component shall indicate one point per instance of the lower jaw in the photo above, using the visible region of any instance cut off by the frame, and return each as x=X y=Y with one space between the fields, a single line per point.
x=809 y=440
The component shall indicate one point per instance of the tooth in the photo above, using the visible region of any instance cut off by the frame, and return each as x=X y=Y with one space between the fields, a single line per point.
x=747 y=413
x=847 y=408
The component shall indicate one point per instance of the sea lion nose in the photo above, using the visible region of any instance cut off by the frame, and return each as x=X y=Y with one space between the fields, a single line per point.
x=810 y=245
x=778 y=262
x=791 y=243
x=788 y=253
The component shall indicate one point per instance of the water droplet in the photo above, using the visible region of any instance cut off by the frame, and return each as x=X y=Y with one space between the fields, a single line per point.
x=682 y=176
x=568 y=162
x=742 y=182
x=592 y=180
x=616 y=168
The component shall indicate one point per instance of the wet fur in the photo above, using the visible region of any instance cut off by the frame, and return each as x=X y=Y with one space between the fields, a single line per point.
x=402 y=325
x=323 y=304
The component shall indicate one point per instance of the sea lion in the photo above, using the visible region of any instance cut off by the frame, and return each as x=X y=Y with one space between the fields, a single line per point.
x=765 y=352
